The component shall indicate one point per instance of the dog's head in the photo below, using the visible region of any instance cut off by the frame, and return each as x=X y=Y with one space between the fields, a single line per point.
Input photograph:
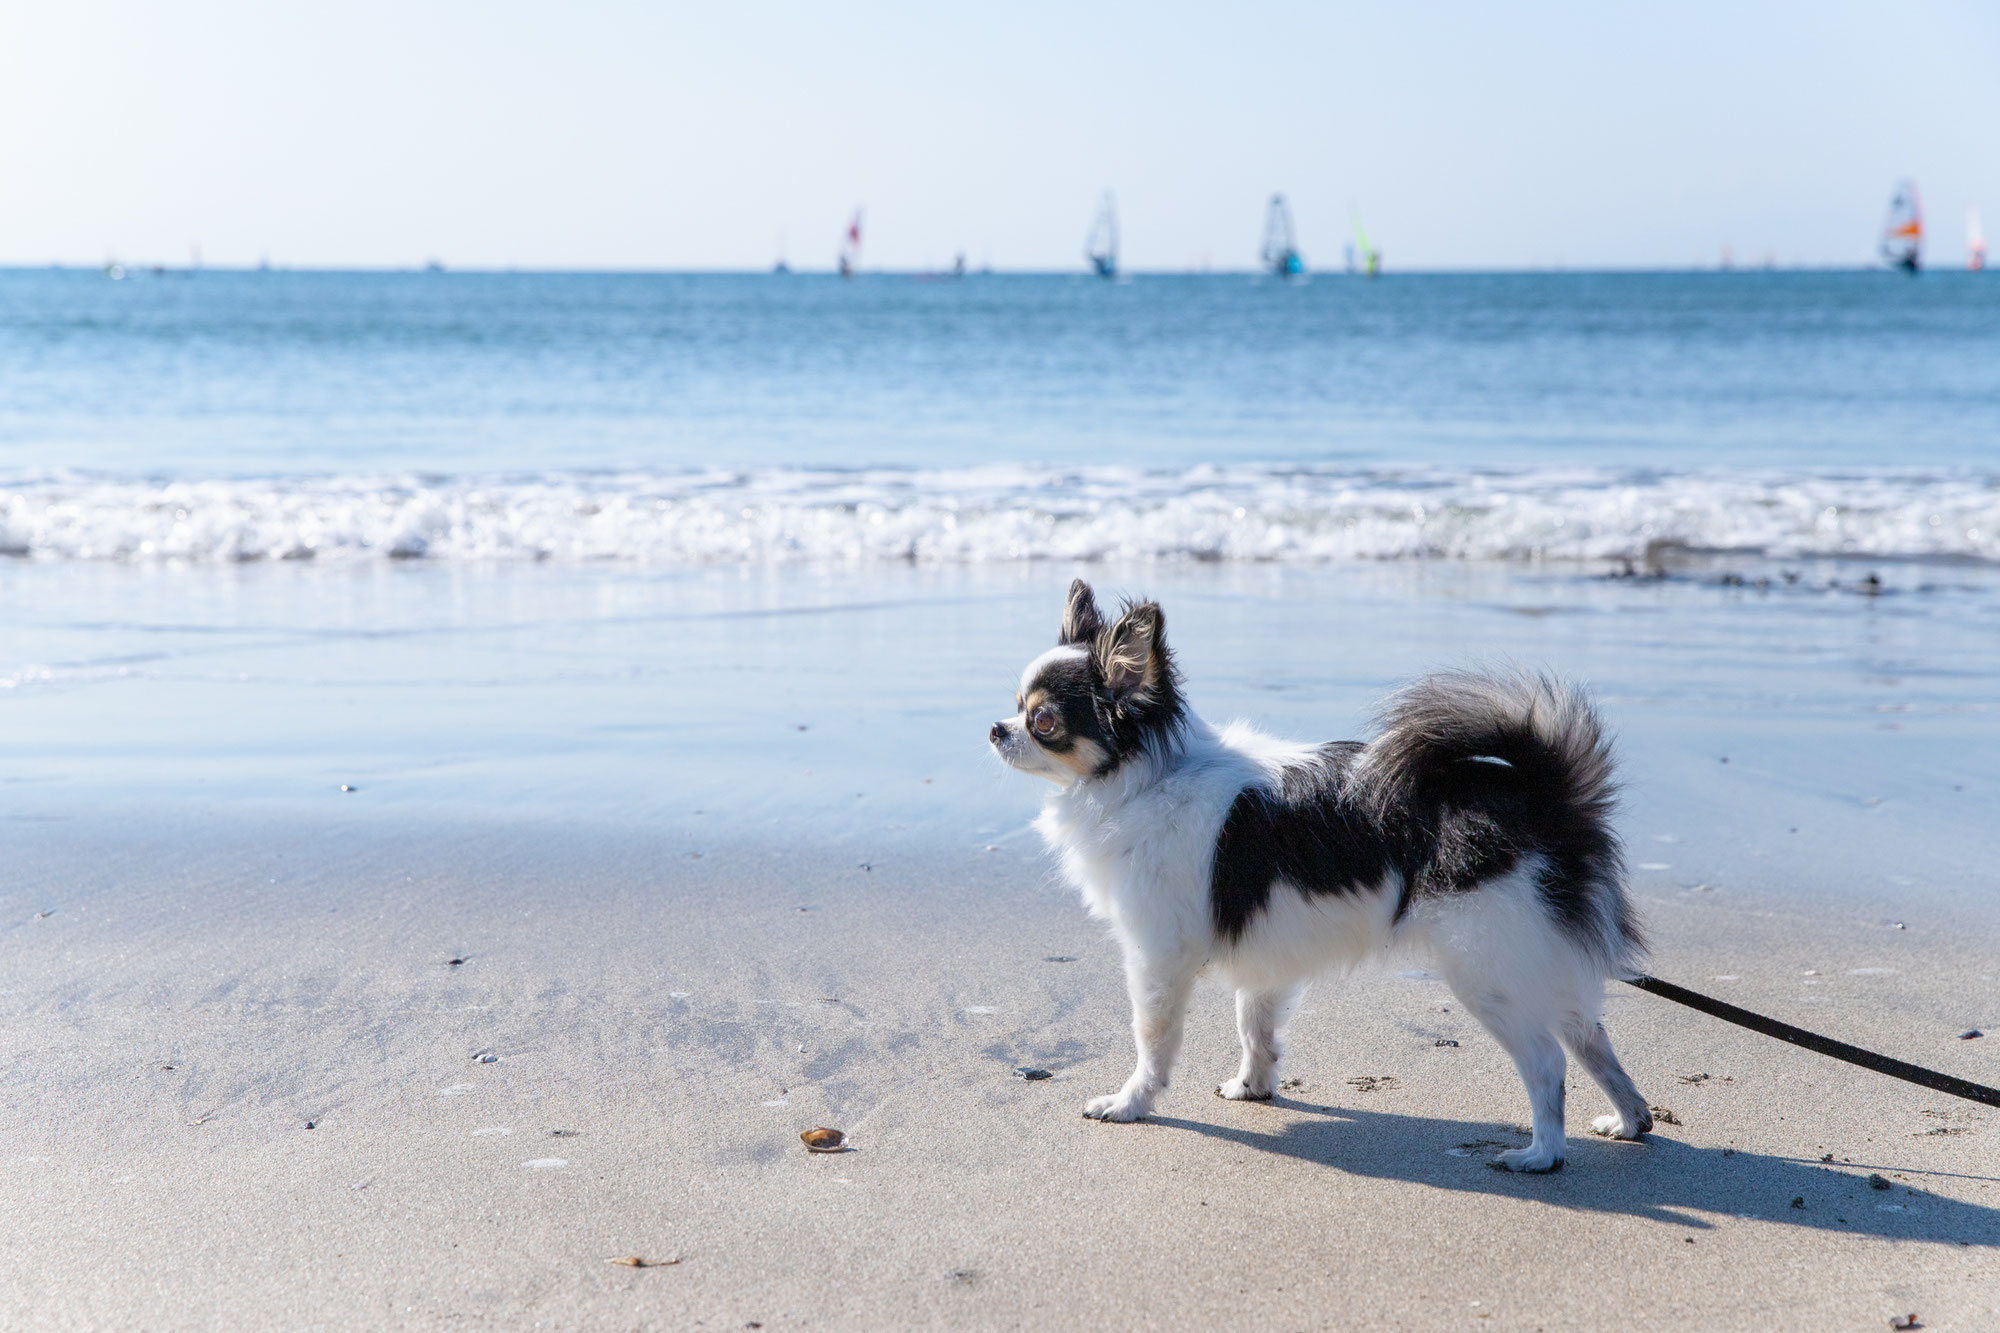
x=1103 y=695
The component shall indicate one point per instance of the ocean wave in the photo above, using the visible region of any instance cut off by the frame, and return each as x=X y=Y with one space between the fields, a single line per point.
x=1001 y=513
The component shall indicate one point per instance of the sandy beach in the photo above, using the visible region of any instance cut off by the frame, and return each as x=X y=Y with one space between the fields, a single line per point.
x=272 y=1110
x=247 y=1015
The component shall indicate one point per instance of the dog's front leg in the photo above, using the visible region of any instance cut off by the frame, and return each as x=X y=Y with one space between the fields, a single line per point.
x=1160 y=988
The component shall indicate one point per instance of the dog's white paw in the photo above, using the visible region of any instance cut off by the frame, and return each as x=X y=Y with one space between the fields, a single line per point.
x=1119 y=1108
x=1530 y=1158
x=1616 y=1127
x=1236 y=1090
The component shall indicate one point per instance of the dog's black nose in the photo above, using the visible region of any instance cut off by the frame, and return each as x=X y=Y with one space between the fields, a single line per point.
x=998 y=734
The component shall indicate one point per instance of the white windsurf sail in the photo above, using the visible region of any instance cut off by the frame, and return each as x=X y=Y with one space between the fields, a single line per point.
x=1100 y=247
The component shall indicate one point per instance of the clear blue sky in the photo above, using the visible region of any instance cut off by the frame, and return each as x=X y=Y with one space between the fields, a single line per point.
x=711 y=135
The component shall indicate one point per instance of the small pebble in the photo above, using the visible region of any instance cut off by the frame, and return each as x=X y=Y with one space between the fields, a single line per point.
x=563 y=1133
x=1032 y=1075
x=1799 y=1202
x=634 y=1261
x=1058 y=958
x=1876 y=1182
x=1444 y=1041
x=1970 y=1034
x=486 y=1058
x=311 y=1124
x=823 y=1139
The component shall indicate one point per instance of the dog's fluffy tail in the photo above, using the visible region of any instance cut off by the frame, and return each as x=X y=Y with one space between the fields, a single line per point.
x=1438 y=739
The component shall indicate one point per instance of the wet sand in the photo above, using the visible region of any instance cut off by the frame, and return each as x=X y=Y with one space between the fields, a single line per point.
x=664 y=1024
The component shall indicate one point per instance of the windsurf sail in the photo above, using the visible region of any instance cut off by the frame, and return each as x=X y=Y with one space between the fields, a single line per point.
x=1100 y=247
x=1370 y=257
x=1281 y=250
x=1975 y=240
x=1903 y=232
x=850 y=249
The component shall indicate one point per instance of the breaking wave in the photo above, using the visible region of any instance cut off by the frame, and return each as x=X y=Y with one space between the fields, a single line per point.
x=1001 y=513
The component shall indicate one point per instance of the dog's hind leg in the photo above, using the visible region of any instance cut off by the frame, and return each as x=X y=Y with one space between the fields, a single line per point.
x=1160 y=989
x=1522 y=1033
x=1630 y=1117
x=1261 y=1016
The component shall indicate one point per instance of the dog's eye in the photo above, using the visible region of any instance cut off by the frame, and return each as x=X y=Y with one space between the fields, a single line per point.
x=1043 y=721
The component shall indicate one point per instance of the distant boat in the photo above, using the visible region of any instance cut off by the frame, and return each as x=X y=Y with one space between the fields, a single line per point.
x=781 y=267
x=1281 y=249
x=1903 y=232
x=1975 y=240
x=1100 y=247
x=850 y=249
x=1370 y=257
x=952 y=274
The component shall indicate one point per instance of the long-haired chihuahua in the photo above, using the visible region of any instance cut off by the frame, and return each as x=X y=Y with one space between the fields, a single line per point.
x=1474 y=829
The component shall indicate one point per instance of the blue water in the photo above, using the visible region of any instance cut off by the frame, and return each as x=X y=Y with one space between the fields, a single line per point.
x=769 y=553
x=236 y=374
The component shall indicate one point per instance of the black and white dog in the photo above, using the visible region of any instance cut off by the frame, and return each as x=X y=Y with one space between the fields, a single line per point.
x=1474 y=829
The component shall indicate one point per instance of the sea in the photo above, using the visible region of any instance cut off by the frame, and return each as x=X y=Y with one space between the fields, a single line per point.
x=671 y=421
x=663 y=549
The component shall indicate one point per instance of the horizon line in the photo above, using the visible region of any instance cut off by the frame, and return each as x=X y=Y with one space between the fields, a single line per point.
x=436 y=268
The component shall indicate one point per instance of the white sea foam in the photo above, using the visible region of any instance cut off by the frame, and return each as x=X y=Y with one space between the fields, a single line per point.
x=1001 y=513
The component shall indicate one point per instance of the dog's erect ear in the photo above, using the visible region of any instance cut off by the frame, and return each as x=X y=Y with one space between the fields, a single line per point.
x=1133 y=653
x=1080 y=622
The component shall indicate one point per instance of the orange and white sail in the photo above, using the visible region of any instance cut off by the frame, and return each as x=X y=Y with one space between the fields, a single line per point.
x=1903 y=232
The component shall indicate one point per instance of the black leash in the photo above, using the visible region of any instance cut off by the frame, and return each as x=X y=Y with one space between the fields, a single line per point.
x=1812 y=1041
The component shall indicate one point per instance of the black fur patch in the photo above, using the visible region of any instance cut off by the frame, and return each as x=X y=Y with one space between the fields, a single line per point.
x=1303 y=832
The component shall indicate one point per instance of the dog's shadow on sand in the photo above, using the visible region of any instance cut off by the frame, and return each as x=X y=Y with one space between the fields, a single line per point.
x=1660 y=1179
